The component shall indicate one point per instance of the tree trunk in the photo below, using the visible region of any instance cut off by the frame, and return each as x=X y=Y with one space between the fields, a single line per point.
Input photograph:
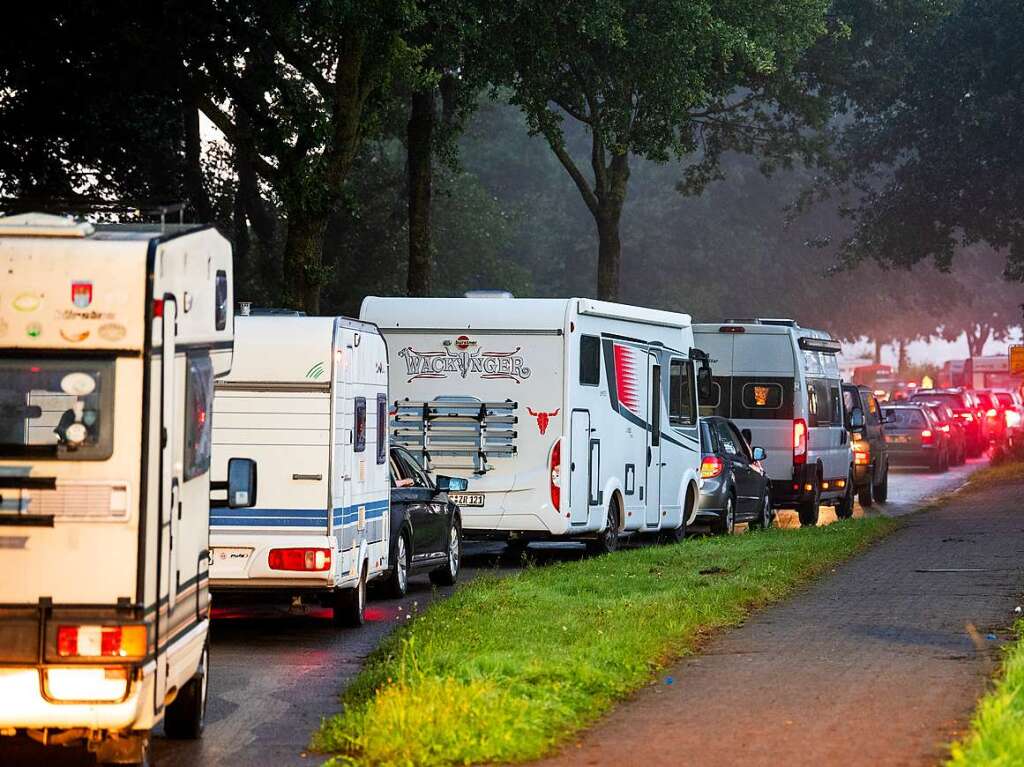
x=901 y=359
x=303 y=250
x=878 y=351
x=977 y=337
x=420 y=132
x=609 y=255
x=194 y=186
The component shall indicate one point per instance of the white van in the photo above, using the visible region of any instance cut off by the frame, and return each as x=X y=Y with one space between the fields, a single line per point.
x=574 y=418
x=307 y=401
x=110 y=340
x=780 y=383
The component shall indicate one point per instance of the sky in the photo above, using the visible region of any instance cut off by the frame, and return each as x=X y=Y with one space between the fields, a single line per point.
x=935 y=351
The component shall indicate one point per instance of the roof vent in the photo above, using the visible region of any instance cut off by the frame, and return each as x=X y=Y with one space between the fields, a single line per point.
x=43 y=225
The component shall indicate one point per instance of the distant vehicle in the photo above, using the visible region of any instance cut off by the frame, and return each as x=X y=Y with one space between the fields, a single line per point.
x=575 y=419
x=1013 y=408
x=952 y=426
x=307 y=400
x=913 y=437
x=878 y=378
x=995 y=416
x=426 y=529
x=870 y=452
x=781 y=382
x=966 y=409
x=112 y=337
x=734 y=487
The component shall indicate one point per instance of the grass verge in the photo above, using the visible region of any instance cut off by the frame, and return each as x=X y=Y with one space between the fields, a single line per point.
x=1008 y=471
x=997 y=729
x=508 y=667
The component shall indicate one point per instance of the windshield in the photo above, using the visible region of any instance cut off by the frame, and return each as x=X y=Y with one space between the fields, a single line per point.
x=56 y=408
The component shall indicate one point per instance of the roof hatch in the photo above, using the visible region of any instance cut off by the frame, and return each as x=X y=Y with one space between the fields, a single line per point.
x=43 y=225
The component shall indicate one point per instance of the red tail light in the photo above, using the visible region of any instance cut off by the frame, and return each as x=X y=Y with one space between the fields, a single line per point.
x=926 y=436
x=861 y=454
x=101 y=641
x=711 y=466
x=799 y=441
x=556 y=475
x=992 y=413
x=314 y=560
x=945 y=428
x=965 y=416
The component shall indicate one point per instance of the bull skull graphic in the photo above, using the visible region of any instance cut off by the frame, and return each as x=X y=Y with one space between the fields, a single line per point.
x=542 y=418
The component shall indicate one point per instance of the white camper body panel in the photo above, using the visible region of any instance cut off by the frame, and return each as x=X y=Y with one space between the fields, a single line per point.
x=293 y=403
x=486 y=389
x=125 y=329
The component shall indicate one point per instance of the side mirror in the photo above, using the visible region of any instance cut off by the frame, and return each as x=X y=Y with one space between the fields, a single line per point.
x=759 y=453
x=857 y=418
x=451 y=484
x=241 y=483
x=704 y=383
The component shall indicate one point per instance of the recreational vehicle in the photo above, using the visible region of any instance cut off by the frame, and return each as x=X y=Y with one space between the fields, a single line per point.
x=573 y=418
x=780 y=384
x=110 y=340
x=307 y=401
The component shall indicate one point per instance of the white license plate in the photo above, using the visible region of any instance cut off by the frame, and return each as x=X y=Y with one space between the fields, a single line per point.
x=899 y=439
x=229 y=558
x=467 y=499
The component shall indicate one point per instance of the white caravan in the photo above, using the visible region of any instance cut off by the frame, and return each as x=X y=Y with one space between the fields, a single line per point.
x=307 y=401
x=574 y=418
x=110 y=339
x=780 y=384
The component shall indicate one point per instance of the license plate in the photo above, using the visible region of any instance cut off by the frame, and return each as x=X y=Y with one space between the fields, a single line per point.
x=900 y=439
x=228 y=558
x=467 y=499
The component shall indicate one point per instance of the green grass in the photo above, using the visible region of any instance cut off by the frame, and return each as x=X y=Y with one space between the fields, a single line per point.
x=997 y=729
x=1009 y=471
x=509 y=667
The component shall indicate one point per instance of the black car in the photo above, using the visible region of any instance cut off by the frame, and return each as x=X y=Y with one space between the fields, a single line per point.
x=870 y=452
x=966 y=409
x=734 y=485
x=913 y=436
x=426 y=527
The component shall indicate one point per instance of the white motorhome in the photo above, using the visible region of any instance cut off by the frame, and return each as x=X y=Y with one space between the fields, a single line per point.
x=110 y=340
x=307 y=401
x=780 y=384
x=574 y=418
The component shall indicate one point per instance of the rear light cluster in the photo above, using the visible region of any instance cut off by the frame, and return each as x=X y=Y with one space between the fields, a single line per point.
x=799 y=442
x=305 y=560
x=861 y=454
x=711 y=466
x=101 y=641
x=556 y=475
x=926 y=436
x=1012 y=418
x=965 y=416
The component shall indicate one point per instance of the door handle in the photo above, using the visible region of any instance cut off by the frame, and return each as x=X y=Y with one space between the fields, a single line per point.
x=648 y=455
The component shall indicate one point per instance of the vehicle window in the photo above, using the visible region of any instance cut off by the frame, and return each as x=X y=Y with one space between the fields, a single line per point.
x=409 y=468
x=396 y=474
x=819 y=402
x=382 y=427
x=221 y=299
x=953 y=400
x=590 y=360
x=906 y=418
x=726 y=439
x=198 y=416
x=872 y=414
x=1004 y=398
x=758 y=397
x=740 y=442
x=359 y=427
x=762 y=396
x=56 y=408
x=718 y=403
x=707 y=444
x=850 y=400
x=682 y=406
x=656 y=405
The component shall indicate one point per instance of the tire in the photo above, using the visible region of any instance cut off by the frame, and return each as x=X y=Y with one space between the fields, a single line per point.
x=808 y=510
x=764 y=519
x=881 y=490
x=608 y=541
x=844 y=509
x=726 y=524
x=397 y=583
x=185 y=718
x=866 y=495
x=350 y=604
x=449 y=574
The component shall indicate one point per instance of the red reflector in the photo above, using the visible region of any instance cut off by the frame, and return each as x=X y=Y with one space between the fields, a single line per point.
x=299 y=559
x=556 y=475
x=67 y=641
x=158 y=307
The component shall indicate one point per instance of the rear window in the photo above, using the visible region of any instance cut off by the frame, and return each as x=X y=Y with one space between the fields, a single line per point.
x=905 y=418
x=1005 y=398
x=758 y=397
x=198 y=420
x=953 y=400
x=590 y=360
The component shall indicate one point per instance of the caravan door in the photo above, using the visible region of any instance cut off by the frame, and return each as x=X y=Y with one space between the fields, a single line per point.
x=580 y=468
x=169 y=487
x=652 y=517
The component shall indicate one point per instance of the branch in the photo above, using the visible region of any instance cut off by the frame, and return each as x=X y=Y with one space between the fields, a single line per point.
x=581 y=183
x=238 y=137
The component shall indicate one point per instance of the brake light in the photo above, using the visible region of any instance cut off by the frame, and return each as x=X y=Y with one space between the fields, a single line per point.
x=311 y=560
x=965 y=416
x=861 y=454
x=101 y=641
x=556 y=475
x=992 y=413
x=945 y=428
x=926 y=436
x=799 y=441
x=711 y=466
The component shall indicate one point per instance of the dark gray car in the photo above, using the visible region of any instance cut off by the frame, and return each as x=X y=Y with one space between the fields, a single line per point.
x=734 y=487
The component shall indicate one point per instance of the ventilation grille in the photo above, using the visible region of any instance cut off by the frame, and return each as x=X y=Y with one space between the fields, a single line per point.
x=77 y=500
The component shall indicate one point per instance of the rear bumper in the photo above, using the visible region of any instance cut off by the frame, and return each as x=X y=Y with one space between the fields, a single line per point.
x=240 y=561
x=914 y=456
x=787 y=493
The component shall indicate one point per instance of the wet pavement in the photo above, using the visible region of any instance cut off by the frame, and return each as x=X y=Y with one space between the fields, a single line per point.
x=274 y=674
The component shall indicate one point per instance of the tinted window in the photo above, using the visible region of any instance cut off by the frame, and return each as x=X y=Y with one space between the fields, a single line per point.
x=837 y=404
x=656 y=405
x=905 y=418
x=759 y=397
x=590 y=360
x=359 y=427
x=409 y=469
x=682 y=409
x=1005 y=398
x=221 y=297
x=718 y=403
x=762 y=396
x=727 y=438
x=953 y=400
x=198 y=420
x=740 y=441
x=382 y=428
x=707 y=445
x=819 y=403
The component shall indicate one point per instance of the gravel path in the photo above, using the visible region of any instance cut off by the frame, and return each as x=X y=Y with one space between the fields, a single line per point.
x=879 y=664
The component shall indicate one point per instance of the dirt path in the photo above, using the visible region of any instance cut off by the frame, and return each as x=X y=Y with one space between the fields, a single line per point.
x=874 y=665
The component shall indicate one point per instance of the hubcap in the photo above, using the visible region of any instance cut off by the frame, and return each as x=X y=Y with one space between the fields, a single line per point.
x=766 y=514
x=402 y=564
x=361 y=595
x=729 y=516
x=204 y=685
x=453 y=550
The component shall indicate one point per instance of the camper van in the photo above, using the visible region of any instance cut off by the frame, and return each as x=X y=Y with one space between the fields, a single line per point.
x=307 y=401
x=110 y=341
x=780 y=384
x=574 y=419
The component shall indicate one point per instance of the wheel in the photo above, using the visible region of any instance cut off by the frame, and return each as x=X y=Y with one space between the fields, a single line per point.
x=881 y=490
x=808 y=510
x=866 y=495
x=844 y=509
x=726 y=524
x=608 y=541
x=447 y=575
x=350 y=604
x=764 y=518
x=397 y=583
x=185 y=718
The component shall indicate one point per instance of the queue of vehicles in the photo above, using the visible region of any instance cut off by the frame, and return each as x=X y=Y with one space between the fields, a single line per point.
x=162 y=448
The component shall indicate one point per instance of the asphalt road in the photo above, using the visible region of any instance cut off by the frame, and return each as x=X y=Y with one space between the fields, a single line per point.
x=274 y=673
